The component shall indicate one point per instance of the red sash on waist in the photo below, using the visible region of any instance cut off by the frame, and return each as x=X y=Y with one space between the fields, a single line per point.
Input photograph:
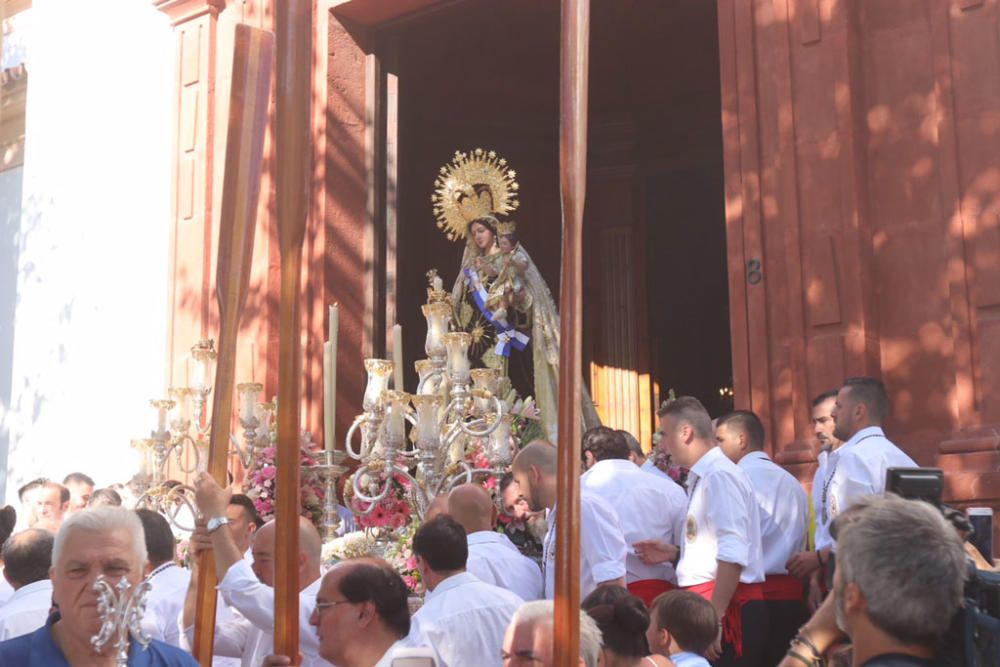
x=783 y=587
x=732 y=622
x=647 y=590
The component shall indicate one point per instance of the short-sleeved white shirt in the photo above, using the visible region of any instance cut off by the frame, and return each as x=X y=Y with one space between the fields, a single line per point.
x=602 y=546
x=857 y=469
x=651 y=508
x=722 y=523
x=783 y=510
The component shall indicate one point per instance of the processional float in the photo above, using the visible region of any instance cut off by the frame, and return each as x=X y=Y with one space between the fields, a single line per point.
x=244 y=149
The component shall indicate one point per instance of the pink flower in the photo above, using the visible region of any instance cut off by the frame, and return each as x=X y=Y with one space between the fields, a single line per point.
x=491 y=483
x=398 y=520
x=410 y=582
x=411 y=563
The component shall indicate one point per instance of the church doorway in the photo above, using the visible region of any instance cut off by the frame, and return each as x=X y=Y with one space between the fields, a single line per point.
x=486 y=74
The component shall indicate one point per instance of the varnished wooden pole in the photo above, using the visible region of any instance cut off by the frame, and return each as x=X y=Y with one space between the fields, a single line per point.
x=293 y=27
x=575 y=42
x=252 y=62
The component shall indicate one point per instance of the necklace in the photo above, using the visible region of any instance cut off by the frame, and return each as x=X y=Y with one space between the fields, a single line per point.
x=829 y=479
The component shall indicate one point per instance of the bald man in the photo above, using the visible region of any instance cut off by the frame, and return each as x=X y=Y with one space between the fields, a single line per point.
x=602 y=542
x=493 y=558
x=249 y=589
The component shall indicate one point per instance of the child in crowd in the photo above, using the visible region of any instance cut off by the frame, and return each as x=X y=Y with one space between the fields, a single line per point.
x=682 y=625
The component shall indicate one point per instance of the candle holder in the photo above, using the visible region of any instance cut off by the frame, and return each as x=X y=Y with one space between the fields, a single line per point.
x=121 y=609
x=457 y=344
x=438 y=316
x=249 y=407
x=379 y=372
x=331 y=469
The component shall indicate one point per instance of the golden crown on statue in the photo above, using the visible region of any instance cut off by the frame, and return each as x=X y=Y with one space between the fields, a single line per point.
x=505 y=228
x=473 y=185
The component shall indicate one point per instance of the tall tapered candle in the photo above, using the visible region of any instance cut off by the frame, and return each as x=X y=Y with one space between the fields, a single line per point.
x=397 y=356
x=330 y=382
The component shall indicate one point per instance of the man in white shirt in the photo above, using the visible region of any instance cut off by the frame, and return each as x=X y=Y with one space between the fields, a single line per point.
x=857 y=469
x=249 y=589
x=243 y=521
x=169 y=583
x=602 y=543
x=720 y=557
x=463 y=619
x=493 y=558
x=652 y=508
x=27 y=558
x=362 y=614
x=783 y=509
x=810 y=563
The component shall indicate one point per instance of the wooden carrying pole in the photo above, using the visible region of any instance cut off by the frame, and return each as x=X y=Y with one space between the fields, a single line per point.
x=252 y=62
x=293 y=27
x=575 y=38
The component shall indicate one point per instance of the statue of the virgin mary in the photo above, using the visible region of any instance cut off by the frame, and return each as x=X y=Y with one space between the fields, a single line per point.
x=499 y=294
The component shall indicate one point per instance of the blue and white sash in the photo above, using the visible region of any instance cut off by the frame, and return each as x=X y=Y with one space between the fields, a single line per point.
x=507 y=336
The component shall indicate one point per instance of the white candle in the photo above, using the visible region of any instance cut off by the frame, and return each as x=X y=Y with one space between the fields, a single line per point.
x=397 y=356
x=329 y=400
x=330 y=381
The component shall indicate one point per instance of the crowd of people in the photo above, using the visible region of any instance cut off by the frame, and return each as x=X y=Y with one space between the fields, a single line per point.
x=721 y=567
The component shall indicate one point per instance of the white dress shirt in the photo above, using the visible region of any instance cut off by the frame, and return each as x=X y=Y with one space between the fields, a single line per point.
x=26 y=610
x=650 y=467
x=602 y=546
x=6 y=590
x=165 y=601
x=251 y=636
x=386 y=659
x=685 y=659
x=464 y=620
x=821 y=538
x=722 y=523
x=857 y=469
x=783 y=509
x=650 y=508
x=494 y=559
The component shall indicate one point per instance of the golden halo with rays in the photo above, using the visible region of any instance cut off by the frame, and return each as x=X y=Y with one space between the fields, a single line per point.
x=471 y=186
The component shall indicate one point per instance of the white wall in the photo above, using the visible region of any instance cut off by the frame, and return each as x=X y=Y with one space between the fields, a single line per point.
x=90 y=321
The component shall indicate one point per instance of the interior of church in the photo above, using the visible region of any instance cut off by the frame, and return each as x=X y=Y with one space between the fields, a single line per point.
x=469 y=77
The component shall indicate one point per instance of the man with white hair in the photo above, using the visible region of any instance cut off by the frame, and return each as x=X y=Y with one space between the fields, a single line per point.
x=529 y=637
x=105 y=541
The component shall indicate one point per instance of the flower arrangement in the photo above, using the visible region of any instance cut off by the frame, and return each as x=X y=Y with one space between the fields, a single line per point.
x=182 y=553
x=259 y=484
x=352 y=545
x=400 y=556
x=393 y=511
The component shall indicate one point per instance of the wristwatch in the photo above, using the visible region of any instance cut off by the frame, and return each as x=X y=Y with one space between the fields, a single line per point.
x=216 y=522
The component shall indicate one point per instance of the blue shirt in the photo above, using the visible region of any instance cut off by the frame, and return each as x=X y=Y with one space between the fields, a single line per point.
x=39 y=649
